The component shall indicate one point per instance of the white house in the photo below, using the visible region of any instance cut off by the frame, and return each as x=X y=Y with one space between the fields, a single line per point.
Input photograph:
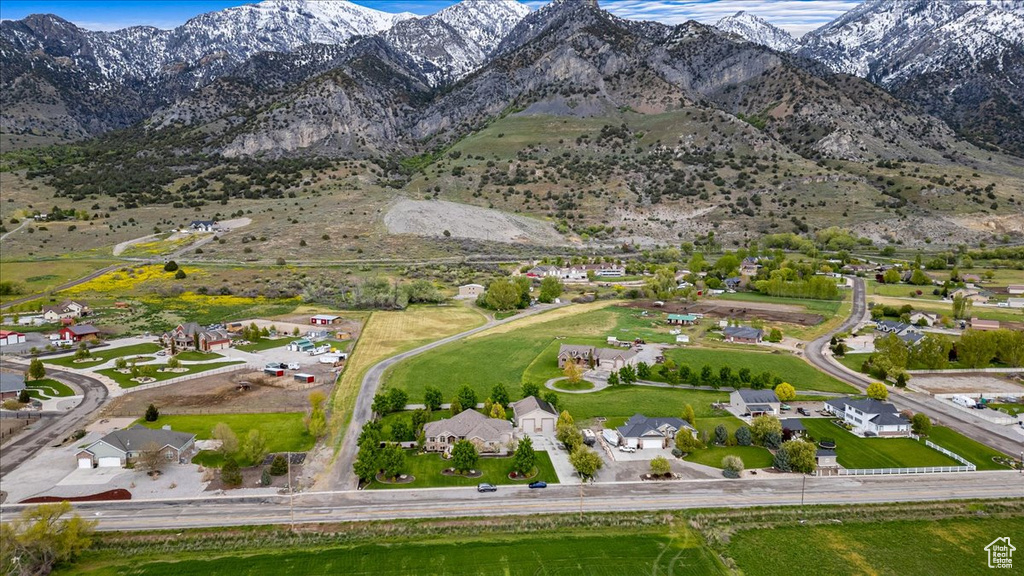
x=534 y=415
x=869 y=417
x=755 y=402
x=641 y=432
x=923 y=318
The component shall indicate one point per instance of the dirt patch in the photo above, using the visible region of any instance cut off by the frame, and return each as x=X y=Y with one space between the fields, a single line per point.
x=436 y=217
x=733 y=309
x=978 y=383
x=213 y=394
x=116 y=494
x=11 y=426
x=251 y=478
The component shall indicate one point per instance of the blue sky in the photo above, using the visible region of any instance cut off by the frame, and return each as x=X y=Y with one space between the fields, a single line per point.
x=797 y=16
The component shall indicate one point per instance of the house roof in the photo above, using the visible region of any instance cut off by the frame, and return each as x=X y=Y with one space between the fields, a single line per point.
x=470 y=424
x=759 y=407
x=584 y=351
x=639 y=426
x=793 y=424
x=10 y=382
x=82 y=329
x=6 y=333
x=751 y=396
x=825 y=452
x=203 y=223
x=326 y=317
x=742 y=332
x=884 y=410
x=911 y=338
x=889 y=419
x=682 y=317
x=531 y=403
x=892 y=325
x=138 y=437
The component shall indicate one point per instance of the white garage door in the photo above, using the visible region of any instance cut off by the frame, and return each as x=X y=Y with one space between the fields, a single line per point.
x=529 y=425
x=109 y=462
x=85 y=462
x=650 y=443
x=548 y=425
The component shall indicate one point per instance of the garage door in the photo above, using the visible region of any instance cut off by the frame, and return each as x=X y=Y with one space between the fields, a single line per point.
x=529 y=425
x=85 y=462
x=652 y=443
x=548 y=424
x=110 y=462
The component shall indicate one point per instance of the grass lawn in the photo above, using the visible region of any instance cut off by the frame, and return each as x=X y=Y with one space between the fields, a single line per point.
x=731 y=423
x=855 y=452
x=752 y=456
x=266 y=344
x=589 y=551
x=386 y=334
x=1012 y=409
x=37 y=277
x=105 y=355
x=50 y=388
x=283 y=431
x=573 y=386
x=794 y=370
x=426 y=468
x=975 y=452
x=908 y=548
x=196 y=356
x=625 y=401
x=125 y=380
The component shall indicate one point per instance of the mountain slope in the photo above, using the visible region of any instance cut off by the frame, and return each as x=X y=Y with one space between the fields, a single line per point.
x=757 y=30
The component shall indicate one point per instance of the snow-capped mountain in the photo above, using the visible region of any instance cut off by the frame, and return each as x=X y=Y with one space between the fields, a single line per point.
x=458 y=39
x=757 y=30
x=962 y=60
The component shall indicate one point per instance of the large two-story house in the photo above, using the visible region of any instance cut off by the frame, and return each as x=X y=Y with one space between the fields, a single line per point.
x=192 y=336
x=489 y=435
x=869 y=417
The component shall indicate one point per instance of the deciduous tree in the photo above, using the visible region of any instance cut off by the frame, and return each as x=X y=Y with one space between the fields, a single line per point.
x=878 y=391
x=921 y=424
x=785 y=392
x=432 y=398
x=525 y=458
x=227 y=437
x=464 y=456
x=762 y=426
x=42 y=538
x=550 y=288
x=36 y=370
x=586 y=462
x=660 y=466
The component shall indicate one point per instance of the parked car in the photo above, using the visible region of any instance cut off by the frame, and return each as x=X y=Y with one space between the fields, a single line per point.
x=485 y=487
x=161 y=353
x=629 y=449
x=786 y=407
x=804 y=411
x=292 y=366
x=539 y=484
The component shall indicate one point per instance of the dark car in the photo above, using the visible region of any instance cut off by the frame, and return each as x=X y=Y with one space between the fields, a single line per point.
x=538 y=484
x=486 y=487
x=804 y=411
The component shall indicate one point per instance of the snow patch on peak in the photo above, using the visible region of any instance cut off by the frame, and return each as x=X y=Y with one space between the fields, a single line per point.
x=757 y=30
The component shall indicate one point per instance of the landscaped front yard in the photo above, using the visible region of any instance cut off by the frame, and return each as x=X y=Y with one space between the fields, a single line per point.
x=125 y=380
x=48 y=388
x=752 y=456
x=426 y=468
x=975 y=452
x=625 y=401
x=284 y=432
x=101 y=355
x=855 y=452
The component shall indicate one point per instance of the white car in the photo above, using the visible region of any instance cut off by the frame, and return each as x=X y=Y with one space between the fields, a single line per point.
x=629 y=449
x=292 y=366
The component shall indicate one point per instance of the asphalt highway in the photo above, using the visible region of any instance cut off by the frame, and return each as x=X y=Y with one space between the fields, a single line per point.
x=771 y=490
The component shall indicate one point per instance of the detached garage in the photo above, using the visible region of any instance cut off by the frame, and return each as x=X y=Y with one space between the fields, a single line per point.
x=534 y=416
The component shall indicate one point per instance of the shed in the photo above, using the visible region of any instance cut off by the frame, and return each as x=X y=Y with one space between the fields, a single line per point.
x=304 y=378
x=682 y=319
x=323 y=319
x=273 y=371
x=8 y=337
x=826 y=458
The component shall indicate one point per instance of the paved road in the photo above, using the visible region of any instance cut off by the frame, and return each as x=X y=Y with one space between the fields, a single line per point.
x=560 y=499
x=341 y=476
x=1002 y=438
x=51 y=430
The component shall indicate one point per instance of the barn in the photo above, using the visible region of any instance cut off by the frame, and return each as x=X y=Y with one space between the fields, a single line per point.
x=79 y=333
x=323 y=319
x=8 y=337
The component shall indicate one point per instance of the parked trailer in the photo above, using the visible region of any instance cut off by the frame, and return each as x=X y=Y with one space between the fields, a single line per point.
x=304 y=378
x=589 y=438
x=320 y=350
x=965 y=401
x=273 y=372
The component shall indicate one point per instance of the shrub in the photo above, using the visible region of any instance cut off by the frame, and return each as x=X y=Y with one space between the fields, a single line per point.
x=171 y=266
x=265 y=477
x=279 y=466
x=231 y=474
x=152 y=413
x=732 y=466
x=23 y=397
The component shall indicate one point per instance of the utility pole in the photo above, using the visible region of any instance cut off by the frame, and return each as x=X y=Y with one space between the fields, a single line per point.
x=581 y=497
x=291 y=493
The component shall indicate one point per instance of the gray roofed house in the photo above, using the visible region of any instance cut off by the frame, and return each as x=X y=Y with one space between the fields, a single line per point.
x=11 y=385
x=755 y=402
x=643 y=432
x=489 y=435
x=794 y=425
x=891 y=326
x=603 y=358
x=123 y=446
x=744 y=334
x=912 y=338
x=869 y=417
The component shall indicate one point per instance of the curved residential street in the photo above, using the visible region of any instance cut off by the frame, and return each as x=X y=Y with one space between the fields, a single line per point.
x=53 y=427
x=1002 y=438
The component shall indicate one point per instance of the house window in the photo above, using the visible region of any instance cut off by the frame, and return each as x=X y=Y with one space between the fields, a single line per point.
x=169 y=455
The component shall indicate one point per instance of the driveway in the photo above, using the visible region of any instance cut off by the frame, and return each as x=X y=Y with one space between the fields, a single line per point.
x=559 y=457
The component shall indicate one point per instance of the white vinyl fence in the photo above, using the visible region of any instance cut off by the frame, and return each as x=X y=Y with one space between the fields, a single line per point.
x=185 y=378
x=967 y=466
